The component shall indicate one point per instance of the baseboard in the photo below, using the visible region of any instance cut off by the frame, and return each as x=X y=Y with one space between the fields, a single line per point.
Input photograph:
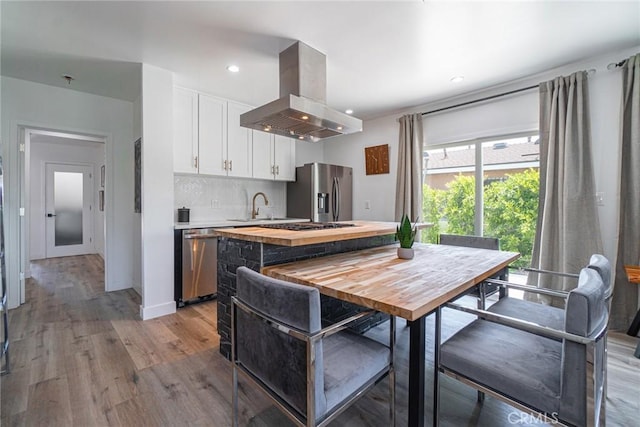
x=152 y=312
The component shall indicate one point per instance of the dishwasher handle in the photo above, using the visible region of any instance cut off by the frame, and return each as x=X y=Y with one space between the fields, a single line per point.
x=200 y=236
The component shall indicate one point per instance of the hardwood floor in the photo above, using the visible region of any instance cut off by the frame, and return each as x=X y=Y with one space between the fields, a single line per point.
x=81 y=357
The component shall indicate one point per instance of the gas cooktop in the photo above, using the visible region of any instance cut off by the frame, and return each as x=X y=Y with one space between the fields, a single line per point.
x=304 y=226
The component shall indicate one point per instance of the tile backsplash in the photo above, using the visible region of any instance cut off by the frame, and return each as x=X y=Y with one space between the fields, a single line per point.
x=216 y=198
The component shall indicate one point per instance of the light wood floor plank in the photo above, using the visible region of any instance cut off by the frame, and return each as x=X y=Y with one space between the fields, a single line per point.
x=89 y=399
x=49 y=403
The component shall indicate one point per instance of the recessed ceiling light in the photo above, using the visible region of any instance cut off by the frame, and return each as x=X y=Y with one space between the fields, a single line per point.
x=233 y=68
x=305 y=117
x=339 y=127
x=457 y=79
x=349 y=111
x=301 y=137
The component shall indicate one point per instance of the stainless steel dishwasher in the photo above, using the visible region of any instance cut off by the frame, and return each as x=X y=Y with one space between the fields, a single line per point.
x=199 y=265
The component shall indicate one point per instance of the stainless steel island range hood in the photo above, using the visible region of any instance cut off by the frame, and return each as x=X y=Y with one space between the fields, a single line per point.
x=301 y=112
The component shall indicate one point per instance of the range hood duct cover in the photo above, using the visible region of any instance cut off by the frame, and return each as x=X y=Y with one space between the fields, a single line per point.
x=301 y=111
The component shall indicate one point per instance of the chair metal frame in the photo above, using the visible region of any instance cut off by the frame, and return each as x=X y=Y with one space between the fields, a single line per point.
x=311 y=341
x=596 y=399
x=456 y=240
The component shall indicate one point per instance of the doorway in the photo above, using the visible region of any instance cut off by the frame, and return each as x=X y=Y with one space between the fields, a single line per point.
x=68 y=206
x=53 y=162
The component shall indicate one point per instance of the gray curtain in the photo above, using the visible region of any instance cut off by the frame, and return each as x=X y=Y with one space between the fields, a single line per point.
x=409 y=183
x=568 y=230
x=625 y=295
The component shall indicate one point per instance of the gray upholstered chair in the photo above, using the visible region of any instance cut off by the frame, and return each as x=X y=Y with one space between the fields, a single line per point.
x=483 y=289
x=558 y=374
x=310 y=373
x=543 y=314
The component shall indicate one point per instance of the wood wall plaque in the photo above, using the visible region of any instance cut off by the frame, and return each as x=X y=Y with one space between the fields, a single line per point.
x=377 y=159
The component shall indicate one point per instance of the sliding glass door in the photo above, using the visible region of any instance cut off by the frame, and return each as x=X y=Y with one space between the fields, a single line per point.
x=484 y=188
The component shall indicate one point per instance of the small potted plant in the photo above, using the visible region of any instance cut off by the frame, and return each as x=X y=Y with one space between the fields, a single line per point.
x=405 y=234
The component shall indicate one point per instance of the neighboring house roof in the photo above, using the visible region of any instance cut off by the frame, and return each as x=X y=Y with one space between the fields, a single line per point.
x=498 y=154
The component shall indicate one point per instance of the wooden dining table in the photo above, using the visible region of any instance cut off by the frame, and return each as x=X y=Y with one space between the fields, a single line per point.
x=412 y=289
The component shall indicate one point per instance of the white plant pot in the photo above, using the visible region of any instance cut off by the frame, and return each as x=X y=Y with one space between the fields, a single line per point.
x=405 y=253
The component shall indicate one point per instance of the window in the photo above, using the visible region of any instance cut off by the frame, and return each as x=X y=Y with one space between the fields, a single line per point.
x=485 y=188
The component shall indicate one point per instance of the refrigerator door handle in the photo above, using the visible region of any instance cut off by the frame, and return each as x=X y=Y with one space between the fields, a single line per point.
x=336 y=198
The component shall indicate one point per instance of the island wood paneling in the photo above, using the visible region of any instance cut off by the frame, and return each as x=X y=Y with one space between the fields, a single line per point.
x=299 y=238
x=378 y=279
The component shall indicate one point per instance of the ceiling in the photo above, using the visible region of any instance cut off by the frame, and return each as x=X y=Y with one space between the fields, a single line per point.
x=382 y=56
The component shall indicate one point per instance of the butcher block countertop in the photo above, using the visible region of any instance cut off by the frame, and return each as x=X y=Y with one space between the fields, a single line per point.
x=376 y=278
x=309 y=237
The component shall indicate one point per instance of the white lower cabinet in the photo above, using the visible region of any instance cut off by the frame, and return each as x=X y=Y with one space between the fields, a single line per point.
x=273 y=157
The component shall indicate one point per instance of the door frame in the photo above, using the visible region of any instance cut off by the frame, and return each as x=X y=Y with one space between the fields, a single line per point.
x=23 y=141
x=88 y=198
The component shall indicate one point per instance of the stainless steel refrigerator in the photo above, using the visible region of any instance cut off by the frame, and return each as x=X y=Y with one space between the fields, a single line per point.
x=322 y=193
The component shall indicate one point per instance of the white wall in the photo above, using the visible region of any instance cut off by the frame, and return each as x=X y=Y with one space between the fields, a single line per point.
x=41 y=153
x=157 y=193
x=605 y=98
x=380 y=189
x=36 y=105
x=309 y=152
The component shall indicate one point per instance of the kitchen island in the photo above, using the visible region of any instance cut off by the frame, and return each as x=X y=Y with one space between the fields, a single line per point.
x=258 y=247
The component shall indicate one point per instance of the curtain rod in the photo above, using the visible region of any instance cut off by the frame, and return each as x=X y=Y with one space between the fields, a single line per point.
x=486 y=98
x=611 y=66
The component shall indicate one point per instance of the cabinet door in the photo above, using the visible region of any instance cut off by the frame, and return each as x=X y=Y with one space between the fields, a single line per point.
x=285 y=158
x=263 y=166
x=185 y=130
x=212 y=135
x=238 y=143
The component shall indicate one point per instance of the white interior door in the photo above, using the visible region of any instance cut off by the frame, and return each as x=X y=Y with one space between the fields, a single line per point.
x=69 y=216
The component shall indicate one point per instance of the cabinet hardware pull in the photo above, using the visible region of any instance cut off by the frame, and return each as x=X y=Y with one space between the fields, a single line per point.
x=195 y=162
x=225 y=165
x=230 y=165
x=273 y=171
x=278 y=170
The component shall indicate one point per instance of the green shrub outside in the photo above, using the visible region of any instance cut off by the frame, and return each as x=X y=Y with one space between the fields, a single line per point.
x=510 y=211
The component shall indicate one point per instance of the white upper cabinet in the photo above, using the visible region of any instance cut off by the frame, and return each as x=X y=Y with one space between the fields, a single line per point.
x=213 y=135
x=208 y=139
x=239 y=159
x=284 y=158
x=274 y=157
x=185 y=131
x=262 y=157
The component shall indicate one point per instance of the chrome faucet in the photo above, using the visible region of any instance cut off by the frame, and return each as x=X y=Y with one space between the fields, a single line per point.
x=256 y=211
